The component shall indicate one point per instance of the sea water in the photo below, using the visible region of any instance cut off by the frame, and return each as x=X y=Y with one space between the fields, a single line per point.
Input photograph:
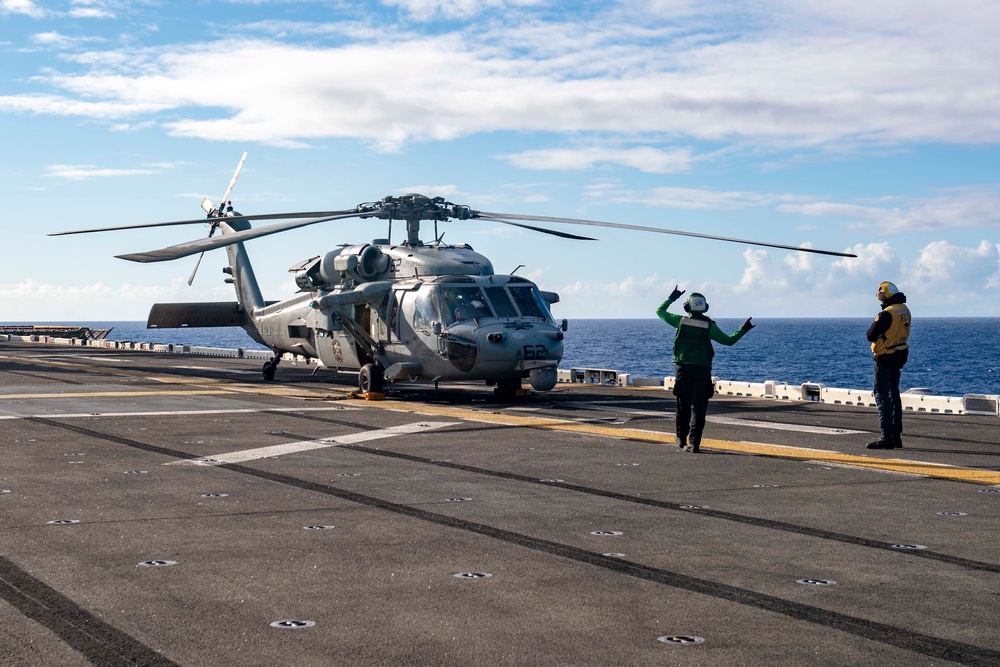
x=951 y=357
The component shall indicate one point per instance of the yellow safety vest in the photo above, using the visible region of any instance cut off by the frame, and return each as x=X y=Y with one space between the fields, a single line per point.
x=895 y=338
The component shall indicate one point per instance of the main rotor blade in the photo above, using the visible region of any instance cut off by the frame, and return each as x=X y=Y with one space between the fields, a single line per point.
x=193 y=247
x=564 y=235
x=201 y=221
x=500 y=217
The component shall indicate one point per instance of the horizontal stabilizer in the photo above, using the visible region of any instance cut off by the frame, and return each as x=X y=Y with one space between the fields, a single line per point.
x=177 y=315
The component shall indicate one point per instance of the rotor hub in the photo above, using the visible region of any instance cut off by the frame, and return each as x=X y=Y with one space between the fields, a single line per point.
x=414 y=208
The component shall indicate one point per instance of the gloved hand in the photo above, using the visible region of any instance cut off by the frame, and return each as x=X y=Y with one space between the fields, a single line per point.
x=676 y=294
x=748 y=325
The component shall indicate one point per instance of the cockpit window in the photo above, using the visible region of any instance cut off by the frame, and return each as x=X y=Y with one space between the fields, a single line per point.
x=424 y=310
x=528 y=301
x=502 y=304
x=459 y=304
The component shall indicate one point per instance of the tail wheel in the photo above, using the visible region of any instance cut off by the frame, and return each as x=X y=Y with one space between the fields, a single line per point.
x=268 y=370
x=370 y=379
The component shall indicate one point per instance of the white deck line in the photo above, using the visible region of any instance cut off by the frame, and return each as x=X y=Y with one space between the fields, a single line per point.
x=729 y=421
x=307 y=445
x=167 y=413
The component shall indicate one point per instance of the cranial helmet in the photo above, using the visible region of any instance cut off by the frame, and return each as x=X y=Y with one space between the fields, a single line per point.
x=696 y=303
x=886 y=290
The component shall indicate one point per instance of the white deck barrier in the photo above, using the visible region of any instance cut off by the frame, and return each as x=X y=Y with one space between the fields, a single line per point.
x=732 y=388
x=847 y=397
x=593 y=376
x=981 y=404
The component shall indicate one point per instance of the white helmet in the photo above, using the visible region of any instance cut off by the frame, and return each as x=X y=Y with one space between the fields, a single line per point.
x=696 y=303
x=886 y=290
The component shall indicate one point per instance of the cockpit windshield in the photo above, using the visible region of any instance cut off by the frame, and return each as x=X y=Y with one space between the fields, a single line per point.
x=460 y=303
x=528 y=301
x=463 y=303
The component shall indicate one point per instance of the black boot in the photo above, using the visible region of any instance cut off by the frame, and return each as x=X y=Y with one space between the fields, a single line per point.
x=881 y=443
x=897 y=442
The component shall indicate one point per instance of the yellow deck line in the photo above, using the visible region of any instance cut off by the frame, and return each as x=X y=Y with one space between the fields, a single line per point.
x=924 y=468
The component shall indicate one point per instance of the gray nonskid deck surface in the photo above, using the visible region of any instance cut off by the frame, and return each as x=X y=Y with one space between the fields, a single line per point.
x=159 y=511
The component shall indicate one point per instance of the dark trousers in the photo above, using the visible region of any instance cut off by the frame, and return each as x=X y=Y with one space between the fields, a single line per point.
x=890 y=407
x=693 y=387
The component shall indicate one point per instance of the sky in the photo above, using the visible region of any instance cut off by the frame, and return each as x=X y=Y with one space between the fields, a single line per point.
x=847 y=125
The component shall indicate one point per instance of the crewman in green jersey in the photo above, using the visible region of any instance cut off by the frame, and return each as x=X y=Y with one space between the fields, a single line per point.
x=693 y=353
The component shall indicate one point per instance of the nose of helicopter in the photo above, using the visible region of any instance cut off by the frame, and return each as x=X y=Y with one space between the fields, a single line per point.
x=536 y=348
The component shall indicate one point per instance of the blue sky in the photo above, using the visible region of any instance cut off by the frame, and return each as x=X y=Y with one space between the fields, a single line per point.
x=846 y=125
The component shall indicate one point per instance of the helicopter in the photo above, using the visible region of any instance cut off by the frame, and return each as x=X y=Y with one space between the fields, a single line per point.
x=411 y=311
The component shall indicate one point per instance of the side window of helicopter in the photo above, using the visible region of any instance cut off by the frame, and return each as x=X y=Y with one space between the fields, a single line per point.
x=382 y=330
x=502 y=304
x=529 y=301
x=424 y=310
x=396 y=297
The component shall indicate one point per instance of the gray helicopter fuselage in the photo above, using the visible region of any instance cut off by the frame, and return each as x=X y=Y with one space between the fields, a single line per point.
x=435 y=313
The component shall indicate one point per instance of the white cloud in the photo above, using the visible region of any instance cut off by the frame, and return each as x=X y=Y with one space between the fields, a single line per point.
x=63 y=106
x=959 y=207
x=933 y=282
x=643 y=158
x=422 y=10
x=59 y=40
x=809 y=75
x=954 y=208
x=82 y=172
x=688 y=198
x=25 y=7
x=944 y=280
x=93 y=9
x=952 y=270
x=611 y=299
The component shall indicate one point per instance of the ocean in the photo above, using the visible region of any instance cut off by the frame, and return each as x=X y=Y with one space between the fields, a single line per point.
x=951 y=357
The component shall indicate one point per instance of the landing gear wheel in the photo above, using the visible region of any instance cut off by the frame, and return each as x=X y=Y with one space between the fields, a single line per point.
x=268 y=370
x=370 y=379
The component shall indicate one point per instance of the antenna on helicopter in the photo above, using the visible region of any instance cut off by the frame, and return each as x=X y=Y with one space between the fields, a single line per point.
x=519 y=266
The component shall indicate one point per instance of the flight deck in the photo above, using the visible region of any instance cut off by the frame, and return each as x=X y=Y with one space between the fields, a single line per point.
x=161 y=509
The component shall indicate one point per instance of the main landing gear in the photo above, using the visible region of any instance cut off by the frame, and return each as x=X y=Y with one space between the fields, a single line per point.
x=371 y=379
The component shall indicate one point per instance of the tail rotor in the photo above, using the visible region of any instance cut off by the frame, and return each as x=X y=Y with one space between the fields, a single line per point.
x=215 y=214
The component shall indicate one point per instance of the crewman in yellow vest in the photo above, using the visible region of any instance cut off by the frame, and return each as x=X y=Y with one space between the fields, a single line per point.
x=888 y=335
